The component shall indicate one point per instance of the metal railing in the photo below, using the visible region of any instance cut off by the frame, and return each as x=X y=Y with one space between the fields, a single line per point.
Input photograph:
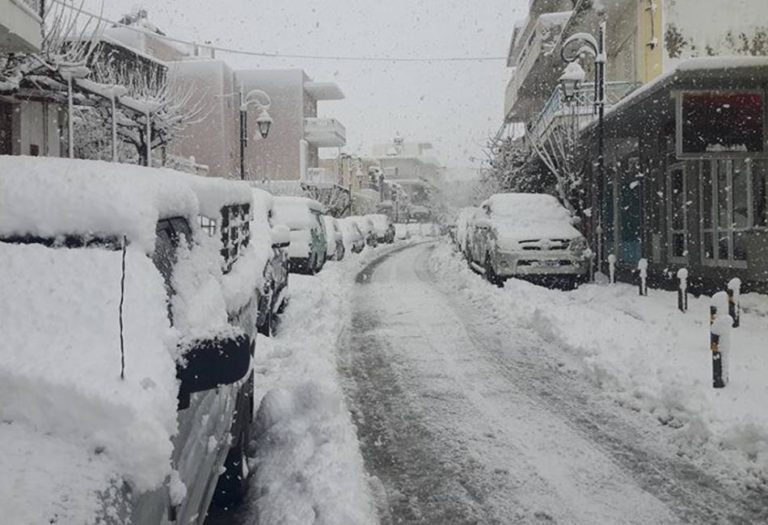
x=582 y=106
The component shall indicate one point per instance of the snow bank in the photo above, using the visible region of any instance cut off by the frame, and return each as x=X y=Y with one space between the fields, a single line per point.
x=309 y=466
x=60 y=378
x=648 y=356
x=44 y=197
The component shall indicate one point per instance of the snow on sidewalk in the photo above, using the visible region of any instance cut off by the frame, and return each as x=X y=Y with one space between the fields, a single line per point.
x=648 y=356
x=309 y=468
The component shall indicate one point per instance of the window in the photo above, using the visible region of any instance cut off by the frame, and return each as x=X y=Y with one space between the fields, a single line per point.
x=711 y=122
x=727 y=209
x=677 y=214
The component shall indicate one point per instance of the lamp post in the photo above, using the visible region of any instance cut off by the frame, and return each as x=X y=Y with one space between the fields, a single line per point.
x=572 y=49
x=262 y=102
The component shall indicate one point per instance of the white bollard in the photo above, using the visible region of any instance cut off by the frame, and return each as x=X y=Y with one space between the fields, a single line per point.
x=642 y=268
x=612 y=268
x=719 y=338
x=734 y=305
x=682 y=292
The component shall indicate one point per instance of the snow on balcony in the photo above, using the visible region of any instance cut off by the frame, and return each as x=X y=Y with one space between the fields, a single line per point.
x=582 y=107
x=325 y=132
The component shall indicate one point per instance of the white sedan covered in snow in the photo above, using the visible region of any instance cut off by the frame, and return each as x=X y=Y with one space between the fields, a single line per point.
x=527 y=234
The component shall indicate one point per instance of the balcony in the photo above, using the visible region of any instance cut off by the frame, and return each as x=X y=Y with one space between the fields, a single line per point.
x=325 y=132
x=532 y=65
x=20 y=26
x=582 y=107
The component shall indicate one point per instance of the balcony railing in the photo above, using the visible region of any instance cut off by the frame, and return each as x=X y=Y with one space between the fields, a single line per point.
x=325 y=132
x=582 y=106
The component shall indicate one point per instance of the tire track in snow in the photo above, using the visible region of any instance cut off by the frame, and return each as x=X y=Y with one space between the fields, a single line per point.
x=451 y=438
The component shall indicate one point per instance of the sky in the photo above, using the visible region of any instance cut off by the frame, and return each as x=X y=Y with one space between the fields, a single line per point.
x=454 y=105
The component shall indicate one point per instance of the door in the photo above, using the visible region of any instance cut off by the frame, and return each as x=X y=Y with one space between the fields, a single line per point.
x=630 y=213
x=677 y=214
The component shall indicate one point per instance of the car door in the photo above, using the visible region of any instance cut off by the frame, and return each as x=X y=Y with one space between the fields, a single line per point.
x=200 y=444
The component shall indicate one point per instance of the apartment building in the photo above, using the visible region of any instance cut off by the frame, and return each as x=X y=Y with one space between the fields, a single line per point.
x=297 y=132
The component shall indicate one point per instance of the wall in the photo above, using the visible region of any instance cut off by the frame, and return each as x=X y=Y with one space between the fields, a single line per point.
x=213 y=140
x=37 y=125
x=278 y=156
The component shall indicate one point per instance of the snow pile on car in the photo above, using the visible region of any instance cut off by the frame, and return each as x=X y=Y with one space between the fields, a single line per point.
x=294 y=212
x=70 y=423
x=527 y=207
x=649 y=356
x=50 y=197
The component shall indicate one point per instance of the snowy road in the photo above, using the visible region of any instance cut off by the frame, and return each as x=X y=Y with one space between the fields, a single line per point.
x=465 y=417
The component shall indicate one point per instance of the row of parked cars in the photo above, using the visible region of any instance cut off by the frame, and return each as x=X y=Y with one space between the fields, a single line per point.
x=524 y=235
x=316 y=237
x=131 y=299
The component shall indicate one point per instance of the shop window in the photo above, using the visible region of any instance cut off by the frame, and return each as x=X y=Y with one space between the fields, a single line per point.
x=727 y=209
x=715 y=122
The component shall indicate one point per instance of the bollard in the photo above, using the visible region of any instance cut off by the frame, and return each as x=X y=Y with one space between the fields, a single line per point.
x=642 y=268
x=734 y=304
x=682 y=290
x=719 y=338
x=612 y=269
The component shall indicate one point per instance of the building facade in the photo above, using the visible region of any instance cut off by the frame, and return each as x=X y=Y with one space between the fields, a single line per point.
x=297 y=132
x=685 y=131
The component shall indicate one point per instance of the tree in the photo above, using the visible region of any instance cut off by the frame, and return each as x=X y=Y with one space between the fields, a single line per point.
x=564 y=155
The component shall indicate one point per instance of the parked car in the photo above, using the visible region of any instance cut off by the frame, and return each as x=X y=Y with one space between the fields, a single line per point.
x=464 y=222
x=334 y=239
x=366 y=226
x=354 y=239
x=271 y=242
x=383 y=228
x=527 y=234
x=117 y=337
x=303 y=216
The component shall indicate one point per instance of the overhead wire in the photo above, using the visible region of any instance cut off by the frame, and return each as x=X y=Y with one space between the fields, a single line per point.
x=264 y=54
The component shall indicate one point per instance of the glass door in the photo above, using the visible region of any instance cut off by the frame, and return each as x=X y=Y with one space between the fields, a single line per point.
x=677 y=214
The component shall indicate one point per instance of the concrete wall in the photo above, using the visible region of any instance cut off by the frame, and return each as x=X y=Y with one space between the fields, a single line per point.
x=214 y=140
x=278 y=157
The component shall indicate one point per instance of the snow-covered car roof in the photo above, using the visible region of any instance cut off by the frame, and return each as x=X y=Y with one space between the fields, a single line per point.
x=312 y=204
x=213 y=193
x=380 y=220
x=295 y=212
x=527 y=207
x=52 y=197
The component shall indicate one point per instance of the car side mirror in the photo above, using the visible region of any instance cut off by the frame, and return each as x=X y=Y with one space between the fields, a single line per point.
x=281 y=236
x=208 y=363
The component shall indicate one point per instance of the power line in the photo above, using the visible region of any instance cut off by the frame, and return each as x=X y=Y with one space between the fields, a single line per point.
x=262 y=54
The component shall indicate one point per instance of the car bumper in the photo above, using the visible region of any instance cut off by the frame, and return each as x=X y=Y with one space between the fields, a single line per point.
x=542 y=263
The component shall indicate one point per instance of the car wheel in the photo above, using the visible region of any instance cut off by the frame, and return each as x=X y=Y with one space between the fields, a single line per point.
x=233 y=483
x=490 y=272
x=269 y=325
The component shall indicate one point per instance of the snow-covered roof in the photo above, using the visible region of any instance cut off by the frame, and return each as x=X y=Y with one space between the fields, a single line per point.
x=311 y=204
x=294 y=212
x=51 y=197
x=213 y=193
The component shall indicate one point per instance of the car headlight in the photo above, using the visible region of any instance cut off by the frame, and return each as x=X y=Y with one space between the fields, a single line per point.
x=578 y=245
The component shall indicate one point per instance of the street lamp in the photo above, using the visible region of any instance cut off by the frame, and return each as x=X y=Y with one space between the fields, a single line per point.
x=571 y=79
x=262 y=102
x=572 y=49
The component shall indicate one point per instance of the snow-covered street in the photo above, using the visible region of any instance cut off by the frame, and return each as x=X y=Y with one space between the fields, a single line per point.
x=464 y=414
